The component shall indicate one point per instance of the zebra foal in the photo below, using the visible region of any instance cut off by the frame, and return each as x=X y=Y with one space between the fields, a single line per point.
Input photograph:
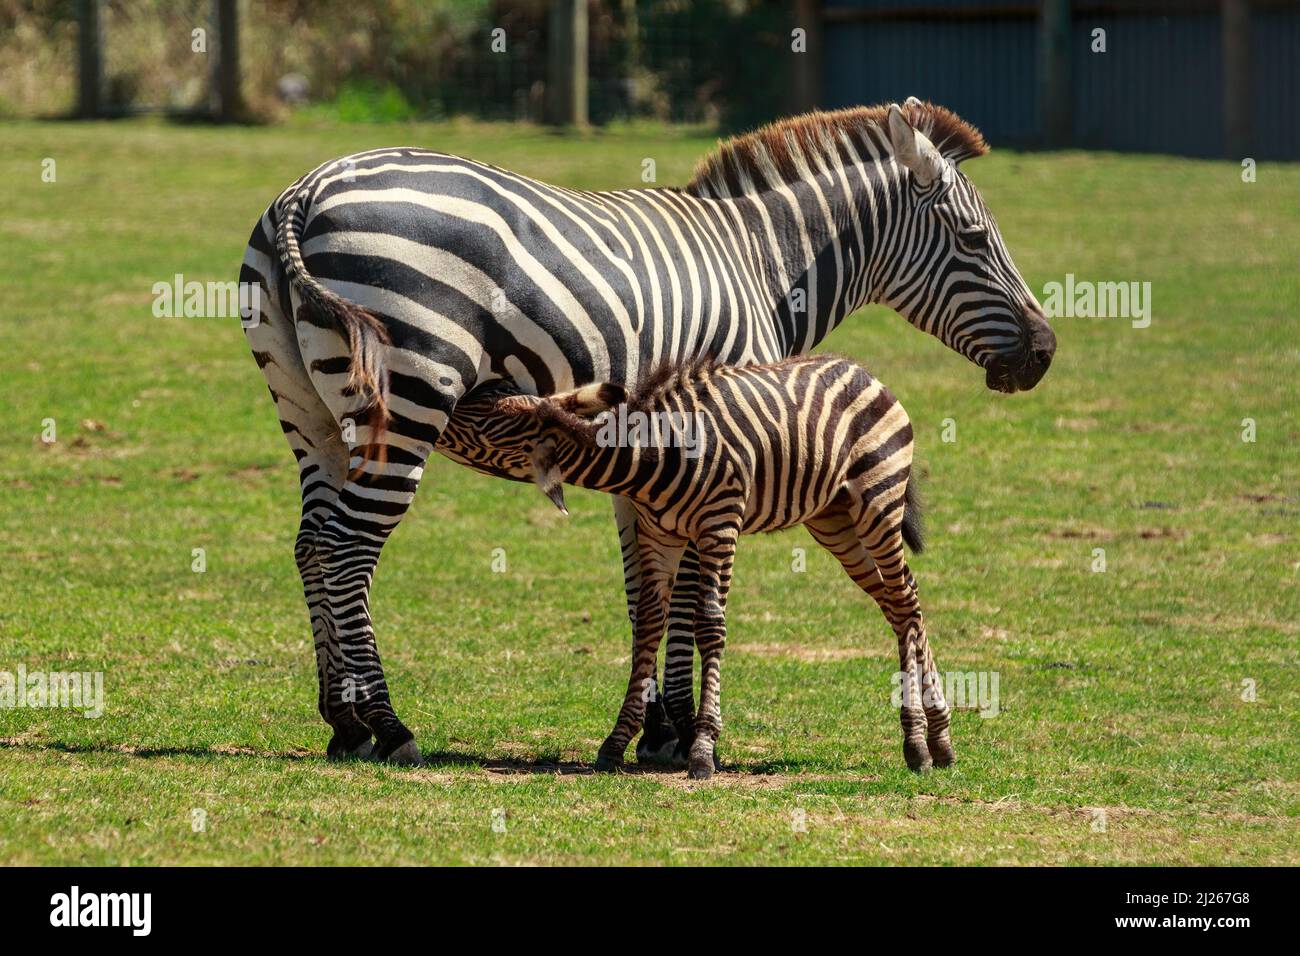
x=811 y=440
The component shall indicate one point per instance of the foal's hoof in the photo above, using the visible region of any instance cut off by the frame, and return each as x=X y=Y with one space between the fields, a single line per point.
x=404 y=755
x=350 y=744
x=607 y=764
x=941 y=752
x=682 y=757
x=917 y=756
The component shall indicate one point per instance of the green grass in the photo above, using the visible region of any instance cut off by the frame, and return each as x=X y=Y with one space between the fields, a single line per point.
x=1119 y=690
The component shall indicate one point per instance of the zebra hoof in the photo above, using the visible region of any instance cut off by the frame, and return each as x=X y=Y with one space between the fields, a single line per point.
x=607 y=764
x=398 y=747
x=917 y=756
x=941 y=752
x=658 y=736
x=682 y=756
x=407 y=755
x=362 y=751
x=350 y=744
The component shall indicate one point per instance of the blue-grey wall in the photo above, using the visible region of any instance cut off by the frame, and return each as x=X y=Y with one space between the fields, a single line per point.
x=1157 y=88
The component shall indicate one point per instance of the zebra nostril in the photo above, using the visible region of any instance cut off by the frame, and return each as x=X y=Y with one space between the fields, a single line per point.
x=1043 y=357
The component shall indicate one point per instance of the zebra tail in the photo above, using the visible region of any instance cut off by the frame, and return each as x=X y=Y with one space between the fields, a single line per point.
x=913 y=535
x=564 y=410
x=364 y=331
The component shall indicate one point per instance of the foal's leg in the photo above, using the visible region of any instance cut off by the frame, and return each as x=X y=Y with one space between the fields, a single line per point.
x=717 y=550
x=924 y=713
x=659 y=554
x=679 y=656
x=658 y=738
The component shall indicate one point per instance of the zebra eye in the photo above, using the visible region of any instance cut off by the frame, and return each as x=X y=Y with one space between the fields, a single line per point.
x=974 y=238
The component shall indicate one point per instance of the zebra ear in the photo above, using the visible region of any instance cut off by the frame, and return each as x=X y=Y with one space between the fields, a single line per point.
x=913 y=149
x=547 y=474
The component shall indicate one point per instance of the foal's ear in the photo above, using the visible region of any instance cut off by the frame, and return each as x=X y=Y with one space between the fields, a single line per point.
x=547 y=474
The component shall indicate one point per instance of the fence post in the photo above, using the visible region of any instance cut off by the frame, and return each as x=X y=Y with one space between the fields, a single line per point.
x=226 y=80
x=1236 y=78
x=566 y=64
x=808 y=64
x=1054 y=119
x=90 y=60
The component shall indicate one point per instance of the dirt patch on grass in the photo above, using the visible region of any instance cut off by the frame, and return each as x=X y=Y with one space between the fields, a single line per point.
x=1083 y=532
x=252 y=472
x=810 y=655
x=1077 y=424
x=1150 y=534
x=1268 y=498
x=739 y=780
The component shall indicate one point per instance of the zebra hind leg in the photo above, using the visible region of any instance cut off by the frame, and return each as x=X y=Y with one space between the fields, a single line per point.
x=371 y=504
x=835 y=531
x=322 y=466
x=351 y=737
x=316 y=443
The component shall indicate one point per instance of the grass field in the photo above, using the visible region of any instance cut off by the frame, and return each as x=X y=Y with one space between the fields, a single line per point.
x=1122 y=735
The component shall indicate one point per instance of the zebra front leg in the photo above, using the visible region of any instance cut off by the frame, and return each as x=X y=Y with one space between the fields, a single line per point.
x=717 y=551
x=658 y=738
x=659 y=555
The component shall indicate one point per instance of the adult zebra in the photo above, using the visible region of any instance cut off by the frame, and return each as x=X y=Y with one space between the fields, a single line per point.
x=397 y=280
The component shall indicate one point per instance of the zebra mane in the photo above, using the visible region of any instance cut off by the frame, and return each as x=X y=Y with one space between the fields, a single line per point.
x=793 y=149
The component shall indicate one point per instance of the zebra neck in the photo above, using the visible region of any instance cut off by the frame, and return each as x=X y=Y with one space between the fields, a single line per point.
x=821 y=243
x=609 y=468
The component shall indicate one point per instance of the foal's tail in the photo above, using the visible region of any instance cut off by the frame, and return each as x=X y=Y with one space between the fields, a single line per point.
x=912 y=532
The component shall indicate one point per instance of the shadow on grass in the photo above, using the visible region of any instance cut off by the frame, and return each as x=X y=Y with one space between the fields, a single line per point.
x=548 y=765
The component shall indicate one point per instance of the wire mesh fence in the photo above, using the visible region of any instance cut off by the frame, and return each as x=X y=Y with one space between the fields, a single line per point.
x=716 y=61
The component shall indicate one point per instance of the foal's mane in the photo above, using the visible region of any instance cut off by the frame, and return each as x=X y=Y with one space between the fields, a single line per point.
x=666 y=377
x=789 y=150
